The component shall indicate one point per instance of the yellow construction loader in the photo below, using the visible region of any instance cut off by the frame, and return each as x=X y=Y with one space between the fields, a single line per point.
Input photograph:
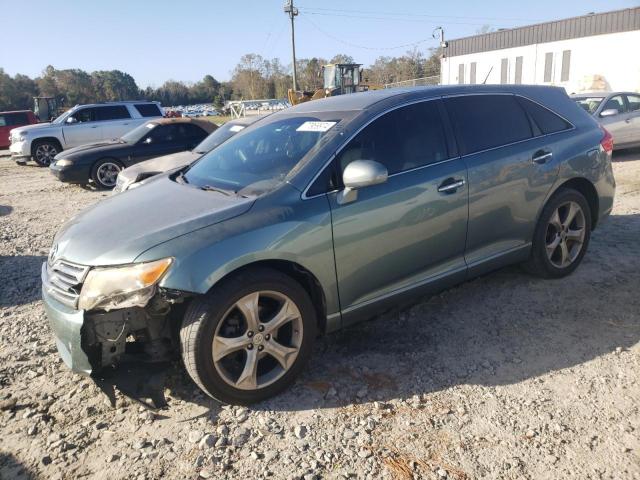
x=339 y=79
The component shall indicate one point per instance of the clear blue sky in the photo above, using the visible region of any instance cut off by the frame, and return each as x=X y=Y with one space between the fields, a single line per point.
x=157 y=40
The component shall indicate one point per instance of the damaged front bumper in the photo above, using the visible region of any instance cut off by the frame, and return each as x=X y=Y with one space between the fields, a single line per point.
x=66 y=325
x=90 y=341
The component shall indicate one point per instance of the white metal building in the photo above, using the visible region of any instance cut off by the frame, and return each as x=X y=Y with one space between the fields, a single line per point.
x=593 y=52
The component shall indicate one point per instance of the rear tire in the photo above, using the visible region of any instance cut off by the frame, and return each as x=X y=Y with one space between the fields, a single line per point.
x=561 y=236
x=43 y=151
x=240 y=358
x=105 y=172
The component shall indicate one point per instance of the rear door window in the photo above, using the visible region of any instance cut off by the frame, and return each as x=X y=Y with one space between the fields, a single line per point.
x=192 y=132
x=112 y=112
x=482 y=122
x=634 y=103
x=546 y=120
x=148 y=109
x=3 y=121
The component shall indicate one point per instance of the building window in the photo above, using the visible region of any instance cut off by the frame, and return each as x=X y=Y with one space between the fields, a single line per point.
x=472 y=73
x=566 y=63
x=518 y=78
x=461 y=73
x=548 y=66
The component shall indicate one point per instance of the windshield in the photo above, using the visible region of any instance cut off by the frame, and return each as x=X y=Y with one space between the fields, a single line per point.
x=260 y=158
x=218 y=137
x=590 y=104
x=137 y=133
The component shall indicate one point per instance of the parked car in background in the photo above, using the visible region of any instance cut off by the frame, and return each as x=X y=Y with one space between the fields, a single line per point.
x=618 y=112
x=100 y=163
x=78 y=126
x=11 y=120
x=137 y=174
x=321 y=215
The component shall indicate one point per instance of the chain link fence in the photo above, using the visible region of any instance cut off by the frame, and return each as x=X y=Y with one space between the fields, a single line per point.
x=416 y=82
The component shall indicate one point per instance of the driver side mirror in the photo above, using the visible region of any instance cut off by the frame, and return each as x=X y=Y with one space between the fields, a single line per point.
x=609 y=112
x=359 y=174
x=72 y=120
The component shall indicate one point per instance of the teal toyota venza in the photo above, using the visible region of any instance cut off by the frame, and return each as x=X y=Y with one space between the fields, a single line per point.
x=317 y=216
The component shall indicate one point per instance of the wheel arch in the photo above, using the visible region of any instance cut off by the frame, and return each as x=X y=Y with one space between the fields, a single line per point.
x=300 y=274
x=37 y=141
x=588 y=191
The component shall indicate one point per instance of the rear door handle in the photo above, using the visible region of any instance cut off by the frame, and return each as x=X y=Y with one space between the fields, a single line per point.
x=450 y=185
x=541 y=157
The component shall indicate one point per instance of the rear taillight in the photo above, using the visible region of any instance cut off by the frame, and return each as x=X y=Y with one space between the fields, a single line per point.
x=607 y=141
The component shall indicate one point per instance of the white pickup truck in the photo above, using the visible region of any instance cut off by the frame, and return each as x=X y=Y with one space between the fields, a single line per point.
x=78 y=126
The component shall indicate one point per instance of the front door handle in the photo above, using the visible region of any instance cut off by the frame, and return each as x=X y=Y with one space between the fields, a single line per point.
x=450 y=185
x=541 y=157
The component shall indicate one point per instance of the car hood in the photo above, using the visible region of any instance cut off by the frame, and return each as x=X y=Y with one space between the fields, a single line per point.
x=110 y=145
x=120 y=228
x=159 y=165
x=35 y=127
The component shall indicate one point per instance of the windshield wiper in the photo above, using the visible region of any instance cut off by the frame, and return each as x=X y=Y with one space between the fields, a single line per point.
x=181 y=178
x=210 y=188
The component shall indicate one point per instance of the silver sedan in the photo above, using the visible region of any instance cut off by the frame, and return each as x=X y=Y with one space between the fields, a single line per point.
x=618 y=112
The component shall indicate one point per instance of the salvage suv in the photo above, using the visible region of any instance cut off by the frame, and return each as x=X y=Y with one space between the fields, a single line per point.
x=78 y=126
x=320 y=215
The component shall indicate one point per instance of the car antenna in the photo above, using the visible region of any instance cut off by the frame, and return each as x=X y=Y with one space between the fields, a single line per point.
x=487 y=77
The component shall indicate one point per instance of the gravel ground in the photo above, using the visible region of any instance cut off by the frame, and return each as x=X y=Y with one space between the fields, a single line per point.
x=505 y=376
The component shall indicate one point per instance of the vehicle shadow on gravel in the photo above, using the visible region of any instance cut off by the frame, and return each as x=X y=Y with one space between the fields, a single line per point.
x=500 y=329
x=11 y=467
x=20 y=276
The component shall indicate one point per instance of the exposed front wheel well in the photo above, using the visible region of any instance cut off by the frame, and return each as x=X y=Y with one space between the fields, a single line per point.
x=53 y=140
x=588 y=191
x=304 y=277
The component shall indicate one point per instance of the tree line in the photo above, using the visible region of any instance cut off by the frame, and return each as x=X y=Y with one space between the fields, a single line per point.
x=254 y=77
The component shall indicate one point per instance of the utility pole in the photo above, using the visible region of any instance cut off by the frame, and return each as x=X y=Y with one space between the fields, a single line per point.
x=292 y=12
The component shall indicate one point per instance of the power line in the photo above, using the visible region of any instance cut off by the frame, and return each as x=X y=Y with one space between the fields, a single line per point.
x=340 y=40
x=397 y=14
x=386 y=19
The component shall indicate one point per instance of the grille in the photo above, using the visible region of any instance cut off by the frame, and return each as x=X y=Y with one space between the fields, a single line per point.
x=63 y=281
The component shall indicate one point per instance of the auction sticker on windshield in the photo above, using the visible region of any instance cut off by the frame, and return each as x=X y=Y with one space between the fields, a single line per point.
x=236 y=128
x=315 y=126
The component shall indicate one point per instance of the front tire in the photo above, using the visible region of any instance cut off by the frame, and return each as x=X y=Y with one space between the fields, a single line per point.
x=43 y=152
x=562 y=235
x=105 y=173
x=249 y=337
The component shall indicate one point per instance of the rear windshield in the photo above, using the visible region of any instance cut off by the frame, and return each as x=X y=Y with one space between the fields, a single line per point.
x=148 y=110
x=590 y=104
x=260 y=158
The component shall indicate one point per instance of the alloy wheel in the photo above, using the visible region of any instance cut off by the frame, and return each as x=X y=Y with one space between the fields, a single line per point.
x=565 y=234
x=107 y=173
x=258 y=340
x=44 y=153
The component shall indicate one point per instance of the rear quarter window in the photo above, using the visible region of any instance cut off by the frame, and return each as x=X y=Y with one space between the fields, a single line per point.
x=546 y=120
x=148 y=110
x=482 y=122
